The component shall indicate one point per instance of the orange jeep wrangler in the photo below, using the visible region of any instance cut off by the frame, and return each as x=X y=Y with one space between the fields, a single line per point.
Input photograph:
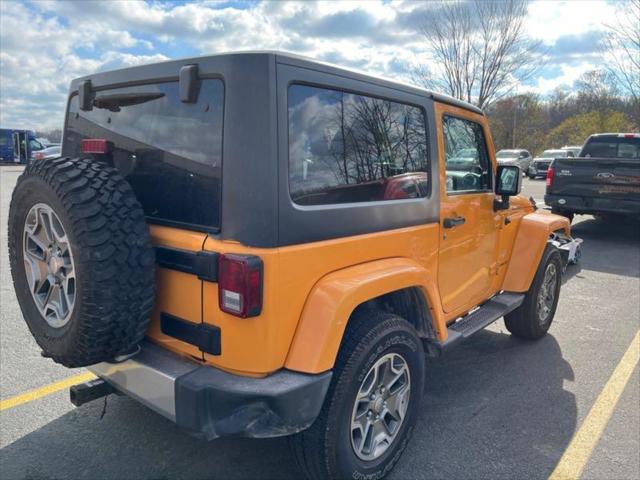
x=261 y=245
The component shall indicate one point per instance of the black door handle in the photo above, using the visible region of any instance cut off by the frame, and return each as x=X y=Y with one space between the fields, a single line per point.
x=453 y=222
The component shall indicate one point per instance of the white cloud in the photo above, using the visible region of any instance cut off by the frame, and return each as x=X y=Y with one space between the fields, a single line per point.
x=44 y=44
x=549 y=20
x=567 y=75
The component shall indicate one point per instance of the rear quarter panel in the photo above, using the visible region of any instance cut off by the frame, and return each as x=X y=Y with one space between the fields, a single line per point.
x=260 y=345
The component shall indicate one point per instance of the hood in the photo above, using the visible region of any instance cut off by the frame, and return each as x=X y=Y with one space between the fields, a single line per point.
x=520 y=202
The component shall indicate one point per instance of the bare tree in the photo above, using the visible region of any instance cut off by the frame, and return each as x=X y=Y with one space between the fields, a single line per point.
x=622 y=48
x=479 y=50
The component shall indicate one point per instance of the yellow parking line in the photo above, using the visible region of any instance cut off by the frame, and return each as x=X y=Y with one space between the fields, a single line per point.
x=577 y=454
x=44 y=391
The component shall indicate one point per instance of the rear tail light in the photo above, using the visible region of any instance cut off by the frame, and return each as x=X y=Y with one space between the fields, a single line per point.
x=549 y=176
x=240 y=285
x=39 y=156
x=95 y=145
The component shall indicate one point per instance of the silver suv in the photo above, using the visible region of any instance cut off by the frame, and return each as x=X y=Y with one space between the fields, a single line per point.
x=520 y=158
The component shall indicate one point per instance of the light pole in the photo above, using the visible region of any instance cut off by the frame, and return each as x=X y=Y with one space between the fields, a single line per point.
x=515 y=115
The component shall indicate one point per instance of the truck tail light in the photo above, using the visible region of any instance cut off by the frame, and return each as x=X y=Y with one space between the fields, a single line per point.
x=95 y=145
x=39 y=156
x=240 y=285
x=549 y=176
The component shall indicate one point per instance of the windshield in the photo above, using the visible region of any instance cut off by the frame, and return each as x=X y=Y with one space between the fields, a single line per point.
x=554 y=153
x=35 y=145
x=506 y=154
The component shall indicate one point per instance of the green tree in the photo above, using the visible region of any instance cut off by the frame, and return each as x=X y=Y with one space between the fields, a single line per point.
x=519 y=121
x=576 y=129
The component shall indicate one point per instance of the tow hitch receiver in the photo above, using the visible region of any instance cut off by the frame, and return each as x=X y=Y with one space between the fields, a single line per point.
x=88 y=391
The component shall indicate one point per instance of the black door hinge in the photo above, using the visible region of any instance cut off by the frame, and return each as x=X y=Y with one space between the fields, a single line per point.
x=204 y=336
x=202 y=264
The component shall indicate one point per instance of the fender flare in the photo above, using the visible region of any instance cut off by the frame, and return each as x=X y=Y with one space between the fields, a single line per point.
x=332 y=300
x=531 y=240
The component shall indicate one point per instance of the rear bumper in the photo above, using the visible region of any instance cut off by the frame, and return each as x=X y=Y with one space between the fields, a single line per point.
x=593 y=205
x=211 y=403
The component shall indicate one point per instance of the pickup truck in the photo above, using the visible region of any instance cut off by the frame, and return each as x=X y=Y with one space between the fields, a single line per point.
x=604 y=180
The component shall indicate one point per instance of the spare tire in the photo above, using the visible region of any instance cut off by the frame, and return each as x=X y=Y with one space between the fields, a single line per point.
x=81 y=260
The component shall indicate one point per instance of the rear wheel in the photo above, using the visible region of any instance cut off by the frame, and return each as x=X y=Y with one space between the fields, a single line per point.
x=532 y=319
x=372 y=402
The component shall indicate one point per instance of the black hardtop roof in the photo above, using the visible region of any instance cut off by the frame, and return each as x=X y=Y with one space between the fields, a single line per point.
x=118 y=76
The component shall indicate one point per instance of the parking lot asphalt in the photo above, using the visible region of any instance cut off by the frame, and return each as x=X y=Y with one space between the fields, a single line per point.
x=496 y=407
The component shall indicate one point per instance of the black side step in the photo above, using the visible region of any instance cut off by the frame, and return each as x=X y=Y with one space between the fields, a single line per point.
x=477 y=320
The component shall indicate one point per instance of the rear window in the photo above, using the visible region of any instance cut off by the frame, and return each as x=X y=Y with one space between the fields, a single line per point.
x=612 y=147
x=169 y=151
x=346 y=148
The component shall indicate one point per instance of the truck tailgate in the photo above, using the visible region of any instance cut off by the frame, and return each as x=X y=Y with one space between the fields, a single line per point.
x=613 y=178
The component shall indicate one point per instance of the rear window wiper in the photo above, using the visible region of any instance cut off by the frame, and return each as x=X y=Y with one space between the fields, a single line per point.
x=114 y=101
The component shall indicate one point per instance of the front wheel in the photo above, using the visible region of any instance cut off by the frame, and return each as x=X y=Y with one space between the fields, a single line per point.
x=372 y=403
x=532 y=319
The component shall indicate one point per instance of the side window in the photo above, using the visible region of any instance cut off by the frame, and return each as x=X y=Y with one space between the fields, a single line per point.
x=467 y=161
x=346 y=148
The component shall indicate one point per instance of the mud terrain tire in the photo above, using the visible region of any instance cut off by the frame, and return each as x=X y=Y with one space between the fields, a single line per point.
x=528 y=321
x=88 y=209
x=325 y=450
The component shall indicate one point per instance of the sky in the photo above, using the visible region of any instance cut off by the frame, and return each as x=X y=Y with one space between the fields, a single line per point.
x=45 y=44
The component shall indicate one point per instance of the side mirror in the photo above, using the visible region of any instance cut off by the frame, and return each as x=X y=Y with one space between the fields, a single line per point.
x=508 y=184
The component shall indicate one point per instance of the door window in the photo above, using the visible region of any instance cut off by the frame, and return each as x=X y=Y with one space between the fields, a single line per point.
x=466 y=157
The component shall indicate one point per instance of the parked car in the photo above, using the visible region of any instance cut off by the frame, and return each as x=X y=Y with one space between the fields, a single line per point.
x=539 y=165
x=521 y=158
x=575 y=150
x=292 y=282
x=49 y=152
x=18 y=145
x=46 y=142
x=604 y=180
